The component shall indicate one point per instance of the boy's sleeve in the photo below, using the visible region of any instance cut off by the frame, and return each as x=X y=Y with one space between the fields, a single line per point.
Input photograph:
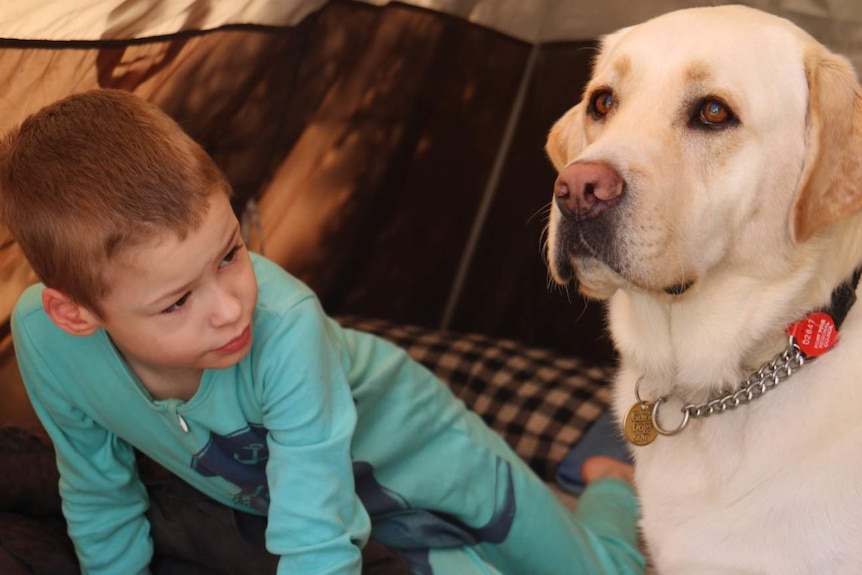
x=103 y=500
x=316 y=522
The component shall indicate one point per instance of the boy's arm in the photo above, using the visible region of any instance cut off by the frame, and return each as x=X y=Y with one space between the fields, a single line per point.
x=316 y=522
x=103 y=500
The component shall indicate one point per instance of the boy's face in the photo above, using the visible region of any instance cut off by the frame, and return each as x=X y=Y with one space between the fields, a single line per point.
x=178 y=307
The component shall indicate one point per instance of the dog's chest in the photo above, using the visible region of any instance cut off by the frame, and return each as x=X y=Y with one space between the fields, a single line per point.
x=767 y=489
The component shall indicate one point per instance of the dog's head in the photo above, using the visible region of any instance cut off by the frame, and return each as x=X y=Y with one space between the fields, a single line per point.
x=705 y=138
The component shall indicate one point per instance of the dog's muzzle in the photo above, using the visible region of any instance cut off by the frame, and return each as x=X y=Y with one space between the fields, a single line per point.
x=586 y=194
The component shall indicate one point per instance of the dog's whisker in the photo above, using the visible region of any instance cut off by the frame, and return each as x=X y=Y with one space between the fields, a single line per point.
x=546 y=209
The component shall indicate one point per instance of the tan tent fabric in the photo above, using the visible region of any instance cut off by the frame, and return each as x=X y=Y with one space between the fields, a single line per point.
x=531 y=20
x=126 y=19
x=838 y=23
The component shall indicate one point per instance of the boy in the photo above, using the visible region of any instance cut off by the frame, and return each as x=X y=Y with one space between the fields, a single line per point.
x=156 y=329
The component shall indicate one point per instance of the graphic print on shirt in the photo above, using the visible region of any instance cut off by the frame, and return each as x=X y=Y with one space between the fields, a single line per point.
x=239 y=457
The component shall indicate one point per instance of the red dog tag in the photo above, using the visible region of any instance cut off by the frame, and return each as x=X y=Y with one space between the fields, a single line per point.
x=815 y=334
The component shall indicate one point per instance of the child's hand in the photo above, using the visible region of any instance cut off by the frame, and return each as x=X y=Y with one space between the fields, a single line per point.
x=603 y=466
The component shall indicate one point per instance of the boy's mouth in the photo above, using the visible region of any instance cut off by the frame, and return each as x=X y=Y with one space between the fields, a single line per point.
x=236 y=343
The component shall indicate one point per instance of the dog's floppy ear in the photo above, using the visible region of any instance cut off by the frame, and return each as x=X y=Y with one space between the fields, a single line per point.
x=831 y=183
x=565 y=139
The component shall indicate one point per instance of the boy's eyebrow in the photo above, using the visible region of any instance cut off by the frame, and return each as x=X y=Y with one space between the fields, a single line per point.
x=176 y=293
x=229 y=244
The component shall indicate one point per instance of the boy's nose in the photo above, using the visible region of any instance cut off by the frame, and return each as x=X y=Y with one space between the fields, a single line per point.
x=227 y=308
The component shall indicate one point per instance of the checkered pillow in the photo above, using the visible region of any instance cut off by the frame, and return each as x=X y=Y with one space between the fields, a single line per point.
x=540 y=402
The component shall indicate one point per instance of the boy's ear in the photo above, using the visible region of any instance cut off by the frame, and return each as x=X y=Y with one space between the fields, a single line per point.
x=69 y=316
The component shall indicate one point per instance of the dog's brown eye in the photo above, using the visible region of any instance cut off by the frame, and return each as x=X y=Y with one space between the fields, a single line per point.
x=714 y=113
x=601 y=103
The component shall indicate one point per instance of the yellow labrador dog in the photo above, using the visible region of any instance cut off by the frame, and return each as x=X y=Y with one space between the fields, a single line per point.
x=710 y=188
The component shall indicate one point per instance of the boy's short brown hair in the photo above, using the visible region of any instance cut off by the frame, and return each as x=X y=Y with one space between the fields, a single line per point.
x=93 y=174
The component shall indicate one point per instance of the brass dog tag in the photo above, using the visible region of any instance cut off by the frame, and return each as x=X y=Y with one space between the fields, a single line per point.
x=637 y=425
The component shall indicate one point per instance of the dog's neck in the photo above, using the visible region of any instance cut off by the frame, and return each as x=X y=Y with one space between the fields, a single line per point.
x=697 y=346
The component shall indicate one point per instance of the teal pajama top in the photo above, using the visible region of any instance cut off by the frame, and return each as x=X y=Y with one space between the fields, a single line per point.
x=333 y=434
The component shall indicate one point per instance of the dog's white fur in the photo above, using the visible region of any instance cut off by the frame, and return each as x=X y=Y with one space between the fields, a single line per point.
x=762 y=218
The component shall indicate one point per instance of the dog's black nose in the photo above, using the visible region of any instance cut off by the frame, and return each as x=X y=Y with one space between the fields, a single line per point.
x=586 y=189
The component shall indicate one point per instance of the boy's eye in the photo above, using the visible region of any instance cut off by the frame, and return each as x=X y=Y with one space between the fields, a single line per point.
x=230 y=256
x=175 y=307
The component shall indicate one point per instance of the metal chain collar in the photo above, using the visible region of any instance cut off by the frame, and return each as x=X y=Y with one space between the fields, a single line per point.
x=765 y=378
